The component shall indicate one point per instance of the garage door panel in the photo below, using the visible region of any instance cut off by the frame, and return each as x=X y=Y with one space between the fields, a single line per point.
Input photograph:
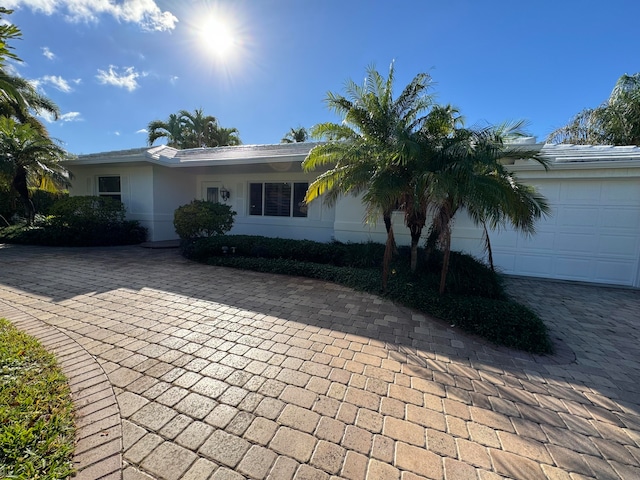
x=551 y=191
x=505 y=262
x=574 y=268
x=541 y=241
x=618 y=245
x=617 y=273
x=625 y=192
x=536 y=265
x=576 y=242
x=578 y=217
x=625 y=218
x=580 y=192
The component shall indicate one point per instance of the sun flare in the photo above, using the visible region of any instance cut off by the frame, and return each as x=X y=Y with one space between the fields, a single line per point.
x=218 y=36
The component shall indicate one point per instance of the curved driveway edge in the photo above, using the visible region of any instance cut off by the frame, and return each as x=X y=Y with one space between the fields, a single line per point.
x=228 y=374
x=98 y=448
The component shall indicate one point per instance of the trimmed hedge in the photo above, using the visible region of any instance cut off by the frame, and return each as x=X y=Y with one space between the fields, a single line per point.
x=475 y=300
x=79 y=222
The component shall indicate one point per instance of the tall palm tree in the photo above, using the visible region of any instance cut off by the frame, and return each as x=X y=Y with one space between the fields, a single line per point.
x=366 y=150
x=295 y=135
x=615 y=122
x=27 y=157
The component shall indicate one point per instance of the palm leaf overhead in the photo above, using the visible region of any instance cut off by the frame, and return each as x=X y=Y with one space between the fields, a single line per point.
x=30 y=158
x=615 y=122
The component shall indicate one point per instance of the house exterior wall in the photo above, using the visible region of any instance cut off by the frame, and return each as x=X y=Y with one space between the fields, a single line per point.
x=172 y=187
x=592 y=233
x=318 y=225
x=136 y=184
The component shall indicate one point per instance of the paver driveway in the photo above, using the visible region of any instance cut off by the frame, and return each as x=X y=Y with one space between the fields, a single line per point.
x=227 y=374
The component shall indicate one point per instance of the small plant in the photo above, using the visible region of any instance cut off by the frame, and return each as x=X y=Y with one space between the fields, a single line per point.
x=202 y=219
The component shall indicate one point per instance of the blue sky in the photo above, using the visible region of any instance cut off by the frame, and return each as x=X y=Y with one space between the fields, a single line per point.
x=113 y=66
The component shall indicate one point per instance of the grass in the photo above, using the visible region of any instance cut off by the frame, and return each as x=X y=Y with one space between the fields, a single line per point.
x=36 y=412
x=475 y=300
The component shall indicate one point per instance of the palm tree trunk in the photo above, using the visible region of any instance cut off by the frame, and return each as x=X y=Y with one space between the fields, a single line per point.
x=487 y=245
x=416 y=233
x=386 y=217
x=386 y=260
x=446 y=245
x=20 y=184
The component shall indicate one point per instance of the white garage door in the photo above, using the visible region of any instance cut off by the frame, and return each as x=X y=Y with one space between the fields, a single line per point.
x=592 y=235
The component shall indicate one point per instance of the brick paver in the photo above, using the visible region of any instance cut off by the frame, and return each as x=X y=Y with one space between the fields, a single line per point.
x=185 y=371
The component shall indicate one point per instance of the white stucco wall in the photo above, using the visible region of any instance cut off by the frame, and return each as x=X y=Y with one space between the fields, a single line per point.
x=591 y=235
x=136 y=183
x=318 y=225
x=172 y=187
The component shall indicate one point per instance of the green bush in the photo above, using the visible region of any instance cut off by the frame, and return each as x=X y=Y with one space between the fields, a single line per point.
x=86 y=211
x=202 y=219
x=79 y=221
x=332 y=253
x=475 y=299
x=43 y=200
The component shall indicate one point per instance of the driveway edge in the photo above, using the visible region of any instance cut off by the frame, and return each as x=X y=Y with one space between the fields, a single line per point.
x=98 y=446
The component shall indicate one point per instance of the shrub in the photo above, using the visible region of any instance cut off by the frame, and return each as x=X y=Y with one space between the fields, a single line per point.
x=202 y=219
x=86 y=211
x=333 y=253
x=79 y=221
x=44 y=200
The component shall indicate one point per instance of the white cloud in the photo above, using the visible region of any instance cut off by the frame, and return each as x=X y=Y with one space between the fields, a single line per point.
x=173 y=80
x=48 y=53
x=71 y=117
x=64 y=118
x=145 y=13
x=58 y=82
x=116 y=133
x=125 y=80
x=142 y=130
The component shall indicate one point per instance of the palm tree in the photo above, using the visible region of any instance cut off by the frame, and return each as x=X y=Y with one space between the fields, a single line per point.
x=222 y=137
x=172 y=130
x=27 y=157
x=192 y=130
x=468 y=171
x=615 y=122
x=196 y=126
x=295 y=135
x=367 y=149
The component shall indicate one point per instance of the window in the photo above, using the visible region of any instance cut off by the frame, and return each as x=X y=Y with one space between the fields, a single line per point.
x=212 y=194
x=282 y=199
x=110 y=187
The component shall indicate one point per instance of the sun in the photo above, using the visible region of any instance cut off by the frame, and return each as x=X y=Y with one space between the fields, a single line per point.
x=218 y=36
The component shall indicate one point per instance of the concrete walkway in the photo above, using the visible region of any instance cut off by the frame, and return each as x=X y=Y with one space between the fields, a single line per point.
x=225 y=374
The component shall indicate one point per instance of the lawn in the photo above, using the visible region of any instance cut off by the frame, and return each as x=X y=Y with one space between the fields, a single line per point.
x=36 y=412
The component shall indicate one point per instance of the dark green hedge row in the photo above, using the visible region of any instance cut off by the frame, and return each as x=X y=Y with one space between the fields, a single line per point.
x=123 y=233
x=79 y=221
x=332 y=253
x=466 y=275
x=475 y=301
